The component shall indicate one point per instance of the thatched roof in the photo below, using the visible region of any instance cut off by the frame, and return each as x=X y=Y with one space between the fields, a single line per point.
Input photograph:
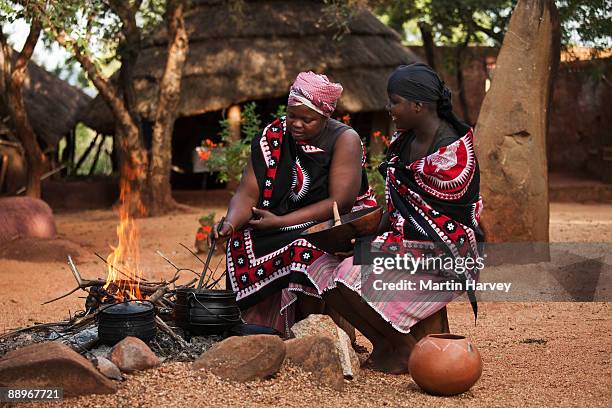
x=52 y=104
x=235 y=58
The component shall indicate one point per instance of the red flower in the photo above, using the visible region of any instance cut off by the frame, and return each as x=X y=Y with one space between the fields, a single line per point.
x=210 y=143
x=204 y=155
x=346 y=119
x=200 y=236
x=207 y=228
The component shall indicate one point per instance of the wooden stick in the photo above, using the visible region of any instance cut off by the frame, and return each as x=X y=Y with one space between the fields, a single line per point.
x=75 y=271
x=87 y=151
x=192 y=253
x=165 y=328
x=158 y=294
x=34 y=327
x=96 y=157
x=337 y=220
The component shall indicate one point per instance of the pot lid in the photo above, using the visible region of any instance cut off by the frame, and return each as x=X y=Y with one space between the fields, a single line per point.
x=126 y=308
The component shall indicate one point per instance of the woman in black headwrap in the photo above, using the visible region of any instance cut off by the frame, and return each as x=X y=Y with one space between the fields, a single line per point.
x=433 y=208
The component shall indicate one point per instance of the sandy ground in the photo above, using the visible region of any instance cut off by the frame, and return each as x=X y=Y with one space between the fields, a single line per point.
x=569 y=365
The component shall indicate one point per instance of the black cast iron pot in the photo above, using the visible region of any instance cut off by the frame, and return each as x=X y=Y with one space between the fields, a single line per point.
x=131 y=318
x=208 y=311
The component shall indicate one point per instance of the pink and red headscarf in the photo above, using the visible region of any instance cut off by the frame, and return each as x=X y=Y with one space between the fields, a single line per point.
x=316 y=92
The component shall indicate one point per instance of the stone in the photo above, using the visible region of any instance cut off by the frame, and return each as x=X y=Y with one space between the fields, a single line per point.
x=317 y=355
x=244 y=358
x=132 y=354
x=25 y=217
x=108 y=368
x=510 y=134
x=53 y=364
x=323 y=325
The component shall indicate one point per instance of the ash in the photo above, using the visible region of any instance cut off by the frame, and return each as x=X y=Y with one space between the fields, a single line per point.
x=167 y=348
x=85 y=341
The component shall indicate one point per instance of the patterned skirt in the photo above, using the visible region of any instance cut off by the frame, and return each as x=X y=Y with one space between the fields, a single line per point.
x=402 y=306
x=278 y=310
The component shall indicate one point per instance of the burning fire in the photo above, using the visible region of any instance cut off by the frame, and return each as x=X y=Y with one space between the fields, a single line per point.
x=125 y=257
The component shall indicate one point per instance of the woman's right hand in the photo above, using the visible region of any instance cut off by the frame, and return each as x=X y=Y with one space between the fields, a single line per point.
x=222 y=230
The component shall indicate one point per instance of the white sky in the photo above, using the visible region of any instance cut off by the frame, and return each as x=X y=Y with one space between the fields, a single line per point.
x=48 y=58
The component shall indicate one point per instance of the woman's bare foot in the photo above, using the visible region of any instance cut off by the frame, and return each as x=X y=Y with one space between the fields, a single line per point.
x=388 y=360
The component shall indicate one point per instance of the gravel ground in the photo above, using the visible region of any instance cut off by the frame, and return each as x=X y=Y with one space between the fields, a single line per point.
x=535 y=354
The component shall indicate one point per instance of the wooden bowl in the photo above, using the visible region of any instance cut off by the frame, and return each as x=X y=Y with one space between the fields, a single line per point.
x=332 y=239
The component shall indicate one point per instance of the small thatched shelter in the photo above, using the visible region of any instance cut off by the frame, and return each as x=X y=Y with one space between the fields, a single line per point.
x=52 y=105
x=255 y=52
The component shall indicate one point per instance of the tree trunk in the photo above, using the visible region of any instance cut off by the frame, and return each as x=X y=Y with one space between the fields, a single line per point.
x=160 y=191
x=465 y=109
x=133 y=164
x=19 y=116
x=133 y=158
x=129 y=49
x=428 y=44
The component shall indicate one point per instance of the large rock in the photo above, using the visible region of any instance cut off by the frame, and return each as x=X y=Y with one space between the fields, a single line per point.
x=25 y=217
x=318 y=356
x=244 y=358
x=132 y=354
x=323 y=325
x=53 y=365
x=512 y=127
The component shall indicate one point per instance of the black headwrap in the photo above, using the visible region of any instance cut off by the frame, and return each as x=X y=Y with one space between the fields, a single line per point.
x=419 y=83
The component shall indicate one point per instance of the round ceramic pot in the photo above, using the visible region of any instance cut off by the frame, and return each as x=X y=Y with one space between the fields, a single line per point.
x=445 y=364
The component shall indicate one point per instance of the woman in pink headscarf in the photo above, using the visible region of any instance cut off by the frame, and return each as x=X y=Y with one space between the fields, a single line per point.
x=299 y=165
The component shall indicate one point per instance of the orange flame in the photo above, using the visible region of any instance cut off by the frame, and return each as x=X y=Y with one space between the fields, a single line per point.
x=125 y=257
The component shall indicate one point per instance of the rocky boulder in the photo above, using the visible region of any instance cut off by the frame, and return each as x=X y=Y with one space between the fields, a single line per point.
x=317 y=355
x=510 y=135
x=25 y=217
x=132 y=354
x=53 y=365
x=323 y=325
x=244 y=358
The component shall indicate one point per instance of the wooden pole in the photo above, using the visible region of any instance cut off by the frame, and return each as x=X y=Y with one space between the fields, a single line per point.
x=3 y=169
x=86 y=153
x=234 y=118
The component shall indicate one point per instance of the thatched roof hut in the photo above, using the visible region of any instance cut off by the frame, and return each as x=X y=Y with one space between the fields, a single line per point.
x=255 y=53
x=52 y=105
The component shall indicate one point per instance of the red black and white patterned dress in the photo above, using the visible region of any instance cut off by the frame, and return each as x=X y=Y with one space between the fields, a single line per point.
x=434 y=208
x=290 y=175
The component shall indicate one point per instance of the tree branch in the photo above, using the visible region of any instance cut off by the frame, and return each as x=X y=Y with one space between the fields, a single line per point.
x=497 y=37
x=28 y=47
x=103 y=86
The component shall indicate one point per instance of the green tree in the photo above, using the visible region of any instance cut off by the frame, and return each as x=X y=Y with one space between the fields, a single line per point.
x=466 y=22
x=114 y=29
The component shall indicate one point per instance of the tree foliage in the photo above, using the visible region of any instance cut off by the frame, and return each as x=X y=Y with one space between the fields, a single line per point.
x=587 y=23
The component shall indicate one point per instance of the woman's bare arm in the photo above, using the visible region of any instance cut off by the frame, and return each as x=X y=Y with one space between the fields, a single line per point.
x=245 y=198
x=344 y=184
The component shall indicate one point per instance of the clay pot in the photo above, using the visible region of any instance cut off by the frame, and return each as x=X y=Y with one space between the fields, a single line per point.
x=337 y=238
x=445 y=364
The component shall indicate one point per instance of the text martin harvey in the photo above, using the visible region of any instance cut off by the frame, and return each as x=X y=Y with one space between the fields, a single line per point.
x=447 y=286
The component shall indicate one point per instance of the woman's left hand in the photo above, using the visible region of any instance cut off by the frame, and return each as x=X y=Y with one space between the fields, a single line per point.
x=265 y=220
